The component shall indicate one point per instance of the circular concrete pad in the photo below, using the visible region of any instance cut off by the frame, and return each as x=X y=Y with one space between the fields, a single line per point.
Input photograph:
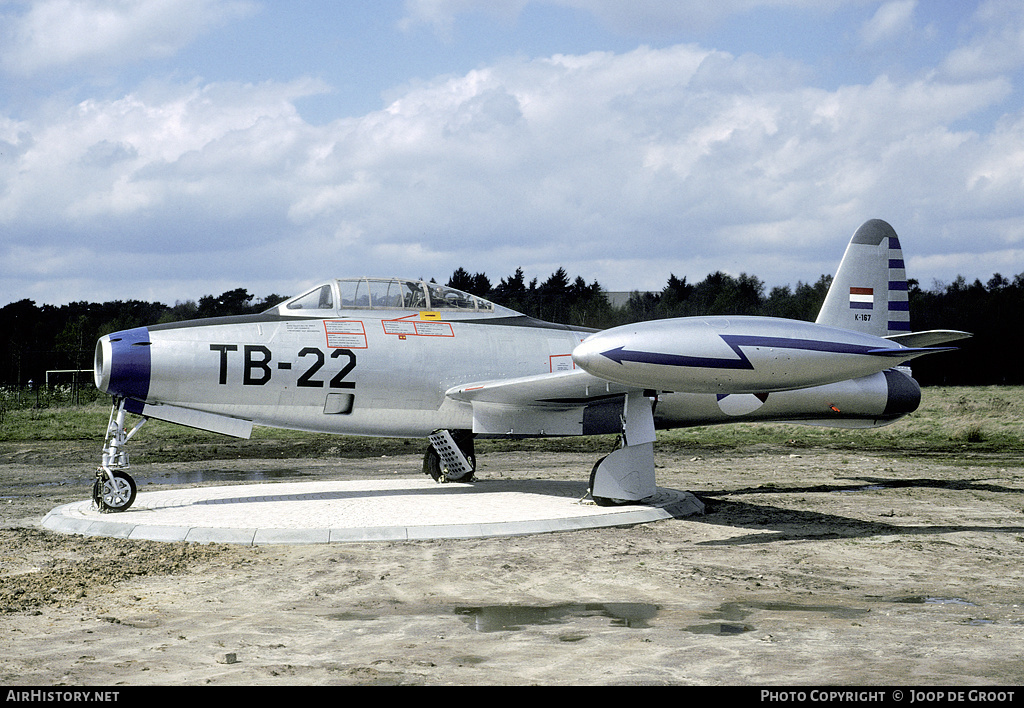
x=371 y=510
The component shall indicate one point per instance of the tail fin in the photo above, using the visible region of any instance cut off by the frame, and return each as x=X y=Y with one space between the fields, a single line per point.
x=869 y=292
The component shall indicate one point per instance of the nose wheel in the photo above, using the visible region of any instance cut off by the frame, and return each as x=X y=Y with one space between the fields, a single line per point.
x=113 y=492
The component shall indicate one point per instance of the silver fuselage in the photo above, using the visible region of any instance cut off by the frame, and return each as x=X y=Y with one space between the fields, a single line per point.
x=388 y=372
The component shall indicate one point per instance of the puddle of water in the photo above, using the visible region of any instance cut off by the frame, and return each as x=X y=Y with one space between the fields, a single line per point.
x=925 y=600
x=200 y=476
x=737 y=611
x=727 y=620
x=868 y=488
x=722 y=629
x=732 y=614
x=497 y=618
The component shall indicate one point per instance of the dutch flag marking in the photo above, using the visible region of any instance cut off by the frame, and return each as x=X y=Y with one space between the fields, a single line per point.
x=862 y=298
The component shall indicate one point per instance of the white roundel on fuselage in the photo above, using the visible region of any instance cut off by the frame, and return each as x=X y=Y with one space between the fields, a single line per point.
x=741 y=403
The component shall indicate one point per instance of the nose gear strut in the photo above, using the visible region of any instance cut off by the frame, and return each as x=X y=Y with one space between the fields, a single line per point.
x=114 y=489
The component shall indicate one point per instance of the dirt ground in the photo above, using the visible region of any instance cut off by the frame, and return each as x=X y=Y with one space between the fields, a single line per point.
x=809 y=567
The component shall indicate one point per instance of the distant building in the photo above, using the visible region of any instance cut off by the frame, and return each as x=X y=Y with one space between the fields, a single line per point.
x=620 y=298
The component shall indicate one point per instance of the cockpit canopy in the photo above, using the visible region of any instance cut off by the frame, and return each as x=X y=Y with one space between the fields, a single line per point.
x=386 y=294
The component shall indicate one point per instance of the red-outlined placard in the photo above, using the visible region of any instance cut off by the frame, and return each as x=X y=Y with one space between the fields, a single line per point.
x=413 y=328
x=561 y=362
x=345 y=334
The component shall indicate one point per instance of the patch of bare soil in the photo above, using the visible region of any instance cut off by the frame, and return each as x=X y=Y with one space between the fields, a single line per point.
x=809 y=567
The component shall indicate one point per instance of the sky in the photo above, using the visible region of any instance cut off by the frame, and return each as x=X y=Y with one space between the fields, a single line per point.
x=162 y=150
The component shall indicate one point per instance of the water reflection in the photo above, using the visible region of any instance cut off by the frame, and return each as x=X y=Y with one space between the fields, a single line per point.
x=186 y=477
x=497 y=618
x=925 y=600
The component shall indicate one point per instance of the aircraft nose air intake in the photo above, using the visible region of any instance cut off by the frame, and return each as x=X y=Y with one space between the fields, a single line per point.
x=123 y=364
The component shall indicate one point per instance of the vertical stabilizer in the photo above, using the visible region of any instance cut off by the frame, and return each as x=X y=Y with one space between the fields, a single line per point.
x=869 y=292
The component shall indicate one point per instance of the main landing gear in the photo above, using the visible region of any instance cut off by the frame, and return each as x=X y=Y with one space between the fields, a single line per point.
x=450 y=457
x=114 y=489
x=626 y=476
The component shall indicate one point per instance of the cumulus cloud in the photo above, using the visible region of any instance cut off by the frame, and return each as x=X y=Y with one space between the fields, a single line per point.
x=891 y=20
x=77 y=34
x=439 y=15
x=663 y=152
x=193 y=179
x=995 y=46
x=635 y=18
x=623 y=167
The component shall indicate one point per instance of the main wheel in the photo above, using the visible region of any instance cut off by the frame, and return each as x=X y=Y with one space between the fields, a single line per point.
x=432 y=464
x=603 y=501
x=438 y=471
x=114 y=497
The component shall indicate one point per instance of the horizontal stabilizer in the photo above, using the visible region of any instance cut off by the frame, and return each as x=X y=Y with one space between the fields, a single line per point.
x=225 y=425
x=907 y=353
x=929 y=338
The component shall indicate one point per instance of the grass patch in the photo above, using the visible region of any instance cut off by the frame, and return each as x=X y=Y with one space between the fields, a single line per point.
x=953 y=419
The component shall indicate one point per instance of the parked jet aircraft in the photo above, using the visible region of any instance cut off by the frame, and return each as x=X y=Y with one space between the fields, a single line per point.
x=406 y=358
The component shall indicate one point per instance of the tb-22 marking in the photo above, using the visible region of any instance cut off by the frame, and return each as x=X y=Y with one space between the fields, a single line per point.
x=256 y=369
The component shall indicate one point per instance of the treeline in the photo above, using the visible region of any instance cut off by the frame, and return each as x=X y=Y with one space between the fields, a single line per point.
x=35 y=339
x=558 y=299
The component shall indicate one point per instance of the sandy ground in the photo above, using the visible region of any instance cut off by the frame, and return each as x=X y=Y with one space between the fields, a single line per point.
x=810 y=567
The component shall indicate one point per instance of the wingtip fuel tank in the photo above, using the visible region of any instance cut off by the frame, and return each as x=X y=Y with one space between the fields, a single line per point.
x=725 y=355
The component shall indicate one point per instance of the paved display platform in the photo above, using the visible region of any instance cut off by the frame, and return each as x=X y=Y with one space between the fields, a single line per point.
x=370 y=510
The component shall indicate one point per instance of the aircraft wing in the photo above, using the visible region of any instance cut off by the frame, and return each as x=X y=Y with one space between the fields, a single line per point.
x=559 y=389
x=928 y=339
x=560 y=403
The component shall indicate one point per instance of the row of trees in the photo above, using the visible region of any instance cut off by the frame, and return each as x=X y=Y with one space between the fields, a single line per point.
x=35 y=339
x=558 y=299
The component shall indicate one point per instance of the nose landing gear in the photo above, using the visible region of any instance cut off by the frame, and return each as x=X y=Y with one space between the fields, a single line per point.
x=114 y=489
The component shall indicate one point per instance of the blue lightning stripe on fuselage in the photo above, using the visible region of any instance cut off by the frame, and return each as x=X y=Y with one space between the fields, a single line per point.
x=735 y=342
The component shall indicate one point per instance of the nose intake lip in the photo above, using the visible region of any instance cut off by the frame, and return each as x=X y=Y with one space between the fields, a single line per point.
x=101 y=364
x=123 y=364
